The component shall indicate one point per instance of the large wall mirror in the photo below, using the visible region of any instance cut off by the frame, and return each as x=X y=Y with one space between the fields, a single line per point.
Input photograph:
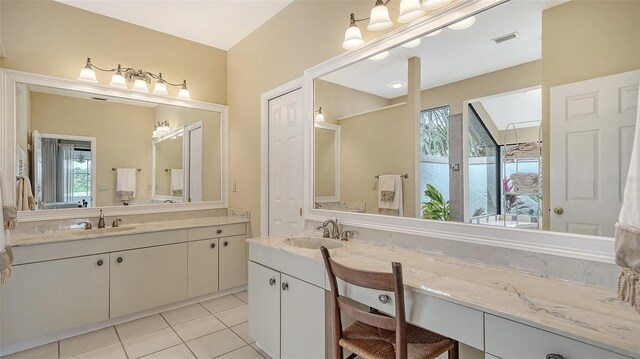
x=85 y=147
x=521 y=116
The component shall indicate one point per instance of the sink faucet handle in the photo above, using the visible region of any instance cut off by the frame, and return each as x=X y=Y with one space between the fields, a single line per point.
x=346 y=235
x=87 y=225
x=325 y=231
x=116 y=222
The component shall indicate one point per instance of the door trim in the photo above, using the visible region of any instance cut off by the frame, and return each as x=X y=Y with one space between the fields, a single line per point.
x=264 y=147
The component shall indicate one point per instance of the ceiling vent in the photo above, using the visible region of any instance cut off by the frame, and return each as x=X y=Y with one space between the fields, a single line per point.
x=99 y=99
x=507 y=37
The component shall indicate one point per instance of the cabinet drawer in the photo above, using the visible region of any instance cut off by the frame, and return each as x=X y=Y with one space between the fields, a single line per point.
x=217 y=231
x=508 y=339
x=449 y=319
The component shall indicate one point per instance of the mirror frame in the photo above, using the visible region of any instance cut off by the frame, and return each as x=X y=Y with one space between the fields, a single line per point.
x=336 y=162
x=591 y=248
x=154 y=143
x=9 y=80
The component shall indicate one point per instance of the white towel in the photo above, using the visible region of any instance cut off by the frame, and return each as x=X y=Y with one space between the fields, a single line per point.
x=8 y=218
x=527 y=149
x=24 y=196
x=388 y=183
x=126 y=184
x=176 y=182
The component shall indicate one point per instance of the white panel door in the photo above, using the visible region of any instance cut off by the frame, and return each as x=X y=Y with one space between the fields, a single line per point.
x=286 y=172
x=195 y=165
x=37 y=167
x=592 y=127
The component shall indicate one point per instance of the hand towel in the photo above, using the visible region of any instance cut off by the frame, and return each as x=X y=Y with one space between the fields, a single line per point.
x=524 y=182
x=9 y=218
x=176 y=182
x=628 y=229
x=390 y=183
x=527 y=149
x=24 y=196
x=126 y=184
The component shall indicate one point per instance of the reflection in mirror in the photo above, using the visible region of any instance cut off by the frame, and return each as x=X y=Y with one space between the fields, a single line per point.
x=505 y=134
x=327 y=166
x=86 y=150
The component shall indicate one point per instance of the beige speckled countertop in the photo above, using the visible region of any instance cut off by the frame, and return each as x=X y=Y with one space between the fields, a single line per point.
x=125 y=229
x=584 y=313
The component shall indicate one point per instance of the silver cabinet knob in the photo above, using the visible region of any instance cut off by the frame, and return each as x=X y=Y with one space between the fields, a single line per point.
x=558 y=211
x=272 y=281
x=383 y=298
x=285 y=286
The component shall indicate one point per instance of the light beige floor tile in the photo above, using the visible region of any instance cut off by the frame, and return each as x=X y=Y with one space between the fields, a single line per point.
x=243 y=331
x=185 y=314
x=88 y=342
x=243 y=296
x=222 y=303
x=151 y=342
x=234 y=316
x=265 y=355
x=198 y=327
x=243 y=353
x=47 y=351
x=178 y=352
x=141 y=326
x=215 y=344
x=113 y=351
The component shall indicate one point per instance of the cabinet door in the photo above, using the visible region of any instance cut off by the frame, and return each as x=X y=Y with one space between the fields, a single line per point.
x=48 y=297
x=233 y=262
x=264 y=308
x=203 y=267
x=148 y=277
x=302 y=319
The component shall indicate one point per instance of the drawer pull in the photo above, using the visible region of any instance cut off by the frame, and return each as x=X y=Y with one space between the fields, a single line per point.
x=285 y=286
x=100 y=263
x=219 y=231
x=383 y=298
x=213 y=245
x=119 y=260
x=272 y=281
x=226 y=243
x=554 y=356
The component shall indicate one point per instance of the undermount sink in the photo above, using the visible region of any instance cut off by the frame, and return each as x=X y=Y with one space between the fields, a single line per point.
x=312 y=242
x=108 y=230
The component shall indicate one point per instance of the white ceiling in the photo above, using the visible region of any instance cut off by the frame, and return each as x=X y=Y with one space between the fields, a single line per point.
x=216 y=23
x=456 y=55
x=523 y=109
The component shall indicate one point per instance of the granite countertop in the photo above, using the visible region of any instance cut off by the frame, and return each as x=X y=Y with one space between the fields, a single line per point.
x=25 y=239
x=584 y=313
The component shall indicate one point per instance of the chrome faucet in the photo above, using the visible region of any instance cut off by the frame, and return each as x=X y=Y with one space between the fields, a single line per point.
x=101 y=220
x=325 y=231
x=335 y=229
x=116 y=223
x=87 y=225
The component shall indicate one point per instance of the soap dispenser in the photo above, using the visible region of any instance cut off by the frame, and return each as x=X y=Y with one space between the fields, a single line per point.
x=101 y=220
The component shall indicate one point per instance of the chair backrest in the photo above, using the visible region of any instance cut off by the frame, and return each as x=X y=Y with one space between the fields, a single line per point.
x=391 y=282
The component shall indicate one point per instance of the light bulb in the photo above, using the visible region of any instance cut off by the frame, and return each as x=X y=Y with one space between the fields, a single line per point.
x=410 y=10
x=463 y=24
x=184 y=92
x=160 y=89
x=117 y=80
x=352 y=38
x=140 y=85
x=396 y=85
x=379 y=19
x=433 y=33
x=411 y=44
x=320 y=115
x=380 y=56
x=434 y=4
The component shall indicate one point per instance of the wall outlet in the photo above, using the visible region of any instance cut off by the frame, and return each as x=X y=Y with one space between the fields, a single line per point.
x=103 y=188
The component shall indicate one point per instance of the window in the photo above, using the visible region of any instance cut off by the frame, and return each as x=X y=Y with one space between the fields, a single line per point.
x=484 y=169
x=434 y=163
x=81 y=172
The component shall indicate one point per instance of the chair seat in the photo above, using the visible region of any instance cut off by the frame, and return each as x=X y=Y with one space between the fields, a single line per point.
x=369 y=342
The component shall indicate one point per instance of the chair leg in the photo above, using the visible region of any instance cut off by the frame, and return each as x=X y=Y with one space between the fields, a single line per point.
x=351 y=356
x=454 y=352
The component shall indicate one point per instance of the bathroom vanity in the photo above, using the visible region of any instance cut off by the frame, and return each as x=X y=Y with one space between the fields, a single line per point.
x=504 y=313
x=69 y=279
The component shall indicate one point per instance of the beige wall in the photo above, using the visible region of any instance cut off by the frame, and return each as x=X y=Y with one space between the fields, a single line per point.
x=325 y=162
x=122 y=135
x=168 y=156
x=340 y=101
x=585 y=39
x=54 y=39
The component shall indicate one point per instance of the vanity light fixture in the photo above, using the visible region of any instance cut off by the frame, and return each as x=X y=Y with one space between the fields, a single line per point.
x=140 y=79
x=380 y=56
x=397 y=85
x=463 y=24
x=410 y=10
x=319 y=115
x=411 y=44
x=161 y=129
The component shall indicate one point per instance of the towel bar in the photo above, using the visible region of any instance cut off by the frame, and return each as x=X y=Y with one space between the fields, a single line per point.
x=403 y=176
x=114 y=169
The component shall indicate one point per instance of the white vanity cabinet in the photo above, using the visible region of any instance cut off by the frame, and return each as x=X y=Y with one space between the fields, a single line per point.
x=202 y=271
x=52 y=296
x=286 y=315
x=233 y=262
x=147 y=277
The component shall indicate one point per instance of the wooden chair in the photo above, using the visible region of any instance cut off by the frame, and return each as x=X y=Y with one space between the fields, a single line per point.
x=374 y=335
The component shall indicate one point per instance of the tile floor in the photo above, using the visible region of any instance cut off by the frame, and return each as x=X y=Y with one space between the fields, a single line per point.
x=216 y=328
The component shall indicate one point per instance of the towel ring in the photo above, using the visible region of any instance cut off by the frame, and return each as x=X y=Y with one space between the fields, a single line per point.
x=403 y=176
x=115 y=169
